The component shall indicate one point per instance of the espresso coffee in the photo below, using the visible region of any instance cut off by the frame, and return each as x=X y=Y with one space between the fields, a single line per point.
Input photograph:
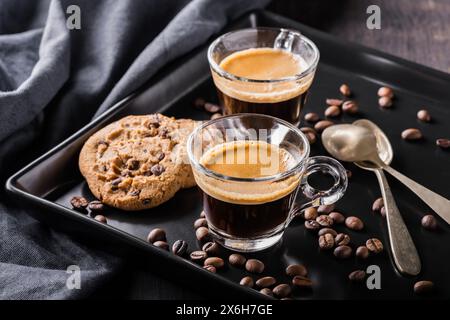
x=248 y=209
x=281 y=99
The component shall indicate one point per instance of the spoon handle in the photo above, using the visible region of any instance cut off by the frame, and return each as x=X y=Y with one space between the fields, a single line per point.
x=403 y=250
x=438 y=203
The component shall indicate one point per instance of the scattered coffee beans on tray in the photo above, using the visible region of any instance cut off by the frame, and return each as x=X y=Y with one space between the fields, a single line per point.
x=350 y=107
x=200 y=222
x=254 y=266
x=334 y=102
x=156 y=234
x=386 y=92
x=325 y=208
x=377 y=205
x=385 y=102
x=332 y=112
x=324 y=220
x=267 y=292
x=326 y=241
x=310 y=134
x=202 y=234
x=210 y=268
x=211 y=107
x=198 y=256
x=312 y=225
x=322 y=125
x=79 y=203
x=96 y=205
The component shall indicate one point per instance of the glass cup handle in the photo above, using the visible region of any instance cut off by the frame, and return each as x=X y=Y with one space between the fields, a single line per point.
x=312 y=197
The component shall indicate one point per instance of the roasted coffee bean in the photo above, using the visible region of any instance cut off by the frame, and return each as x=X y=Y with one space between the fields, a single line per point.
x=211 y=248
x=429 y=222
x=383 y=212
x=332 y=111
x=324 y=231
x=362 y=252
x=334 y=102
x=322 y=125
x=101 y=218
x=349 y=174
x=211 y=107
x=374 y=245
x=386 y=92
x=324 y=220
x=198 y=256
x=216 y=116
x=337 y=217
x=385 y=102
x=247 y=282
x=282 y=290
x=161 y=244
x=254 y=266
x=202 y=234
x=302 y=282
x=179 y=247
x=312 y=225
x=199 y=103
x=202 y=214
x=200 y=222
x=377 y=204
x=265 y=282
x=210 y=268
x=310 y=213
x=354 y=223
x=443 y=143
x=311 y=117
x=326 y=241
x=350 y=107
x=325 y=208
x=296 y=270
x=424 y=115
x=156 y=234
x=310 y=135
x=342 y=252
x=345 y=90
x=423 y=287
x=267 y=292
x=96 y=205
x=357 y=276
x=237 y=260
x=214 y=261
x=157 y=169
x=342 y=239
x=79 y=203
x=411 y=134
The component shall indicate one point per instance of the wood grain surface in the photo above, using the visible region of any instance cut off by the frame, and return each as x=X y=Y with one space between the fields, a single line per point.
x=417 y=30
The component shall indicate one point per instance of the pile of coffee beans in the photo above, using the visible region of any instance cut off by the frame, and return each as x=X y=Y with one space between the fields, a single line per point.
x=92 y=208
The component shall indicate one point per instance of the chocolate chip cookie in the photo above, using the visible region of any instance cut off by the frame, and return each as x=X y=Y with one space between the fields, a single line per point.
x=138 y=162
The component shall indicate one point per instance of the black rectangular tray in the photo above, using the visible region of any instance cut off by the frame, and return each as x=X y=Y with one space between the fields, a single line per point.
x=54 y=178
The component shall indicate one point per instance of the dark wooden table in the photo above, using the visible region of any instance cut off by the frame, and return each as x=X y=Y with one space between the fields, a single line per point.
x=417 y=30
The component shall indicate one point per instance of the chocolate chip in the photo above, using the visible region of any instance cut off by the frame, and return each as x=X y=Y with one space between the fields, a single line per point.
x=215 y=262
x=101 y=218
x=160 y=156
x=116 y=182
x=146 y=201
x=96 y=205
x=156 y=234
x=133 y=164
x=79 y=203
x=374 y=245
x=237 y=260
x=157 y=169
x=135 y=193
x=179 y=247
x=296 y=270
x=247 y=282
x=211 y=107
x=163 y=133
x=254 y=266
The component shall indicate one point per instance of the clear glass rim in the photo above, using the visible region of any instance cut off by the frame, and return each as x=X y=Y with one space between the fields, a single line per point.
x=216 y=68
x=279 y=176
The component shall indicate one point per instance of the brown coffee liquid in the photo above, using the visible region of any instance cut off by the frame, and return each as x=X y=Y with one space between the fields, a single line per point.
x=283 y=100
x=247 y=209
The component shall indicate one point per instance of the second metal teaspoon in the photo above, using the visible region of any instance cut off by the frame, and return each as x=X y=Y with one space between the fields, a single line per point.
x=357 y=143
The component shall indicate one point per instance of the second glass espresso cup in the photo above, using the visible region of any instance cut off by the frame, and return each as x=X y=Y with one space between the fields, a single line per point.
x=252 y=169
x=263 y=70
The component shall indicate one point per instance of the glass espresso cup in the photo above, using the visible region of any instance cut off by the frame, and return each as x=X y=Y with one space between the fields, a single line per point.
x=251 y=170
x=263 y=70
